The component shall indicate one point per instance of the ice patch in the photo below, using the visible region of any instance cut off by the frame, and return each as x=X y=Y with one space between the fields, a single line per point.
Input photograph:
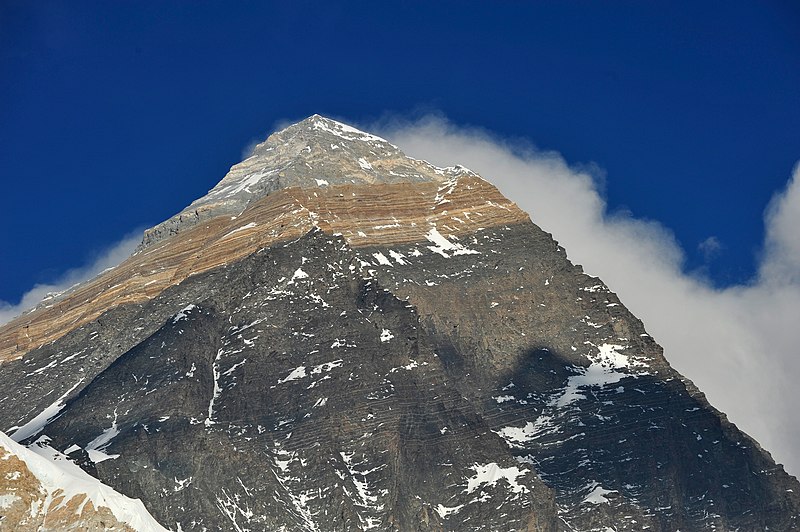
x=386 y=335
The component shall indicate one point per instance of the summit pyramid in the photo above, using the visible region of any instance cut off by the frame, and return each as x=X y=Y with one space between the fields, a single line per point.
x=341 y=337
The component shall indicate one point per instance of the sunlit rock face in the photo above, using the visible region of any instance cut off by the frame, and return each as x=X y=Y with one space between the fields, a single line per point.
x=340 y=337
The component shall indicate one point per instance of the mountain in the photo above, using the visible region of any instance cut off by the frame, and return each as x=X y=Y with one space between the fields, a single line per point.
x=341 y=337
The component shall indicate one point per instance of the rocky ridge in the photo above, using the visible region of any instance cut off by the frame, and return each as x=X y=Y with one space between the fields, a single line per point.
x=43 y=491
x=343 y=338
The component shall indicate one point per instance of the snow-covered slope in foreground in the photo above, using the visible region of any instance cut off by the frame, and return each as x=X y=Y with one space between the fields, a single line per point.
x=40 y=489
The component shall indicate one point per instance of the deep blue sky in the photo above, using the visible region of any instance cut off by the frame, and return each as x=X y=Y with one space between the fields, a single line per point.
x=115 y=115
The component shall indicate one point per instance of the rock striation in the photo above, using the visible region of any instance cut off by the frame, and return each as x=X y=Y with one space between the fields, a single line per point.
x=340 y=337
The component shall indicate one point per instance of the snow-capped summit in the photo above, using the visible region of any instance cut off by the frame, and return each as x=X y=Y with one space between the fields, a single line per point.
x=340 y=337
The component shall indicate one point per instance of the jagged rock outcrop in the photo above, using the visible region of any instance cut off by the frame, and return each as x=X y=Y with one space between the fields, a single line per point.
x=338 y=337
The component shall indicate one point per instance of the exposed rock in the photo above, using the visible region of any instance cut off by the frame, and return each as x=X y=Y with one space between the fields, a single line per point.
x=343 y=338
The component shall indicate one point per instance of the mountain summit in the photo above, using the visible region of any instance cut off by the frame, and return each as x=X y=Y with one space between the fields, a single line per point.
x=341 y=337
x=316 y=152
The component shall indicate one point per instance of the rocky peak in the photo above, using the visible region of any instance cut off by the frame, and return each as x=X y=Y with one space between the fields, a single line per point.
x=316 y=152
x=392 y=347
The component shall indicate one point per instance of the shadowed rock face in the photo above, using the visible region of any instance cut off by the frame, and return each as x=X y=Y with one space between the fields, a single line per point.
x=338 y=337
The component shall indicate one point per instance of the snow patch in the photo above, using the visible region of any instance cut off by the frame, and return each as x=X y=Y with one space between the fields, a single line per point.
x=96 y=448
x=491 y=473
x=183 y=313
x=297 y=373
x=382 y=259
x=242 y=228
x=444 y=511
x=298 y=274
x=35 y=425
x=444 y=246
x=516 y=435
x=597 y=495
x=603 y=370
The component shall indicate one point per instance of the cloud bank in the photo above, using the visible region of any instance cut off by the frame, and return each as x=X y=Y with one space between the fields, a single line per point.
x=738 y=344
x=108 y=258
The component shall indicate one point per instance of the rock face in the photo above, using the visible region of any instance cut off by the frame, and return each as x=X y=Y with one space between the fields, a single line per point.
x=339 y=337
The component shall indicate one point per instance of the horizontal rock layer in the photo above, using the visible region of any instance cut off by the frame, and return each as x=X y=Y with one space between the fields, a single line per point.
x=373 y=215
x=340 y=338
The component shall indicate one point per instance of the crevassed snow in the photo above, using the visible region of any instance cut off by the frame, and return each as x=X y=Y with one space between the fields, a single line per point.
x=55 y=472
x=490 y=473
x=35 y=425
x=443 y=245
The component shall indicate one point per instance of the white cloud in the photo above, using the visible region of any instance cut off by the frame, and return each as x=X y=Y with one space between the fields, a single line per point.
x=108 y=258
x=739 y=344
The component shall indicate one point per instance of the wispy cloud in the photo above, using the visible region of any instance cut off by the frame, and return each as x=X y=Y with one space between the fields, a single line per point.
x=738 y=344
x=108 y=258
x=710 y=248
